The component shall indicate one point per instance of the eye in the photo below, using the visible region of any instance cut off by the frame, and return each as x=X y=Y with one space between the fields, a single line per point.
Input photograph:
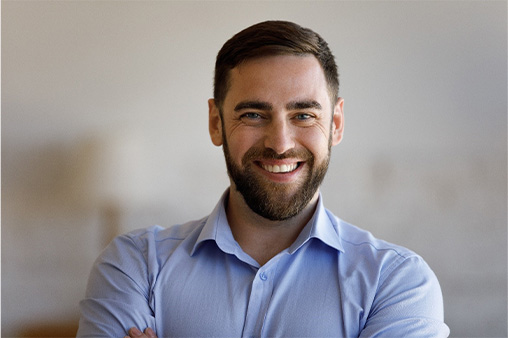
x=250 y=116
x=252 y=119
x=303 y=117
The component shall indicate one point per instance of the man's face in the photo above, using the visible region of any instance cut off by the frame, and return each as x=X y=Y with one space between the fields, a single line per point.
x=277 y=127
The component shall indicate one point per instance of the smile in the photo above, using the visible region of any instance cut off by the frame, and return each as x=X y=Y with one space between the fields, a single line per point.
x=283 y=168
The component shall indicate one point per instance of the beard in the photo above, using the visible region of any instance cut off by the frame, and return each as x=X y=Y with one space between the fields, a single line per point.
x=271 y=200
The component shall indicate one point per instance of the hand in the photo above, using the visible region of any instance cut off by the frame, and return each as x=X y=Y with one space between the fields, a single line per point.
x=135 y=333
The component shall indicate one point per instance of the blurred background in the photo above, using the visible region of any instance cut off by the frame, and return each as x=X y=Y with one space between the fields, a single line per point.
x=104 y=130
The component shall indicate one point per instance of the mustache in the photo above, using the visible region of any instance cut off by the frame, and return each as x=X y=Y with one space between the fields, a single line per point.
x=270 y=154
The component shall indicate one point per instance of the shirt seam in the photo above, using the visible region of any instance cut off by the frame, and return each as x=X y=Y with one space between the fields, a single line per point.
x=134 y=241
x=376 y=248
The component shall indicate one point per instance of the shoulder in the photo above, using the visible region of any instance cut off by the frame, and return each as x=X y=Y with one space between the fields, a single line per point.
x=157 y=233
x=355 y=238
x=401 y=287
x=137 y=255
x=140 y=251
x=362 y=250
x=156 y=240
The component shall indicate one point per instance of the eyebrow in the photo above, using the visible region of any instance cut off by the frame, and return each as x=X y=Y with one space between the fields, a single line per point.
x=258 y=105
x=295 y=105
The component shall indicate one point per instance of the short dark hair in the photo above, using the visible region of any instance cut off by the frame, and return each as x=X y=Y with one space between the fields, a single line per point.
x=272 y=38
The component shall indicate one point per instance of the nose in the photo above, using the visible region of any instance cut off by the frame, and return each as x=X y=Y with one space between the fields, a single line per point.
x=279 y=136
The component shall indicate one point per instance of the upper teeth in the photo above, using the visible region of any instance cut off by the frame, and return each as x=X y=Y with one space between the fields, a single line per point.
x=284 y=168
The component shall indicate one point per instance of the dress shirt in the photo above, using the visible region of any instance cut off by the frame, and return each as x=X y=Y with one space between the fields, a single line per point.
x=194 y=280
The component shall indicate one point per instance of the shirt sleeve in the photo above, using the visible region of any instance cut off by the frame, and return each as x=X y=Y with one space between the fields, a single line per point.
x=118 y=294
x=408 y=303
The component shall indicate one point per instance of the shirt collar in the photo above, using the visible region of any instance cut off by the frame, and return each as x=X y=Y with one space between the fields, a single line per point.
x=217 y=229
x=323 y=226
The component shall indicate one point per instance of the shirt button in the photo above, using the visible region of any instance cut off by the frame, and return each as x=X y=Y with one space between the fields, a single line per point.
x=263 y=276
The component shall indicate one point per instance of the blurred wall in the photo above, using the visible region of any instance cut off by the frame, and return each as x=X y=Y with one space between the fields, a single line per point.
x=104 y=129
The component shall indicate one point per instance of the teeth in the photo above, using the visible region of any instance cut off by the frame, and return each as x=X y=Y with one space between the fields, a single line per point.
x=284 y=168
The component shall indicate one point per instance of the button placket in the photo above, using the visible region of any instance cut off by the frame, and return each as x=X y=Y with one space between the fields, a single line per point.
x=261 y=292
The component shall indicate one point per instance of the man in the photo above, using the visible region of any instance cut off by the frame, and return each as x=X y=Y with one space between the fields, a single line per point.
x=269 y=260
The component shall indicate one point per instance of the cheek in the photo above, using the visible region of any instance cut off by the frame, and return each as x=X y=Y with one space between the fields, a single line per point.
x=239 y=143
x=316 y=142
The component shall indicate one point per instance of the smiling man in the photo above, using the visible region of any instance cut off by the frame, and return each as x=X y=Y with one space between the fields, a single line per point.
x=270 y=260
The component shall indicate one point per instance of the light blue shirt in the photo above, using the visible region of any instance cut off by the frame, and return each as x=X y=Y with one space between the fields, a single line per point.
x=195 y=280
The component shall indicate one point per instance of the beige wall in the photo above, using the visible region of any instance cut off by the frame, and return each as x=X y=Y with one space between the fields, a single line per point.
x=104 y=129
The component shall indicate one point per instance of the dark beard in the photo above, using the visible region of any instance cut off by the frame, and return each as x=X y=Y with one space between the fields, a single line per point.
x=273 y=200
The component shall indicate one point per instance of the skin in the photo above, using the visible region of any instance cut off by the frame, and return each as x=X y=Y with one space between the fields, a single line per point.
x=275 y=84
x=259 y=111
x=135 y=333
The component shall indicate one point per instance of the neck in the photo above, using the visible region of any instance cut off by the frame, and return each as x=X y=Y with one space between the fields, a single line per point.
x=260 y=237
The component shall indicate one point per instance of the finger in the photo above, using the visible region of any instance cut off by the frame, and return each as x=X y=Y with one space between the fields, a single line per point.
x=150 y=333
x=134 y=332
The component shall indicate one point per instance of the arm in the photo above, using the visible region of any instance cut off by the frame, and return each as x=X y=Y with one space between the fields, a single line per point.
x=408 y=303
x=118 y=294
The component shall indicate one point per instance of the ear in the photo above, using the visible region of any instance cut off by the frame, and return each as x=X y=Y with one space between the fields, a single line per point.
x=214 y=123
x=338 y=122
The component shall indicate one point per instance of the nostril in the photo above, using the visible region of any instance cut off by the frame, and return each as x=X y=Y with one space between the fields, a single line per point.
x=279 y=143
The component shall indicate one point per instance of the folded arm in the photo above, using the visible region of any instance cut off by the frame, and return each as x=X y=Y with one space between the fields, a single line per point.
x=118 y=294
x=408 y=303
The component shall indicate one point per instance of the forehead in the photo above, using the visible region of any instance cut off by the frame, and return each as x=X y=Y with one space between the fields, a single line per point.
x=278 y=79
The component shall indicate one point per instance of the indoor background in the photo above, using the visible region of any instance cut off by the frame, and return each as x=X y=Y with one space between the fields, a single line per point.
x=104 y=129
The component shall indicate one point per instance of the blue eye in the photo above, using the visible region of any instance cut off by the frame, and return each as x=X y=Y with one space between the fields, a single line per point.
x=303 y=117
x=251 y=115
x=252 y=119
